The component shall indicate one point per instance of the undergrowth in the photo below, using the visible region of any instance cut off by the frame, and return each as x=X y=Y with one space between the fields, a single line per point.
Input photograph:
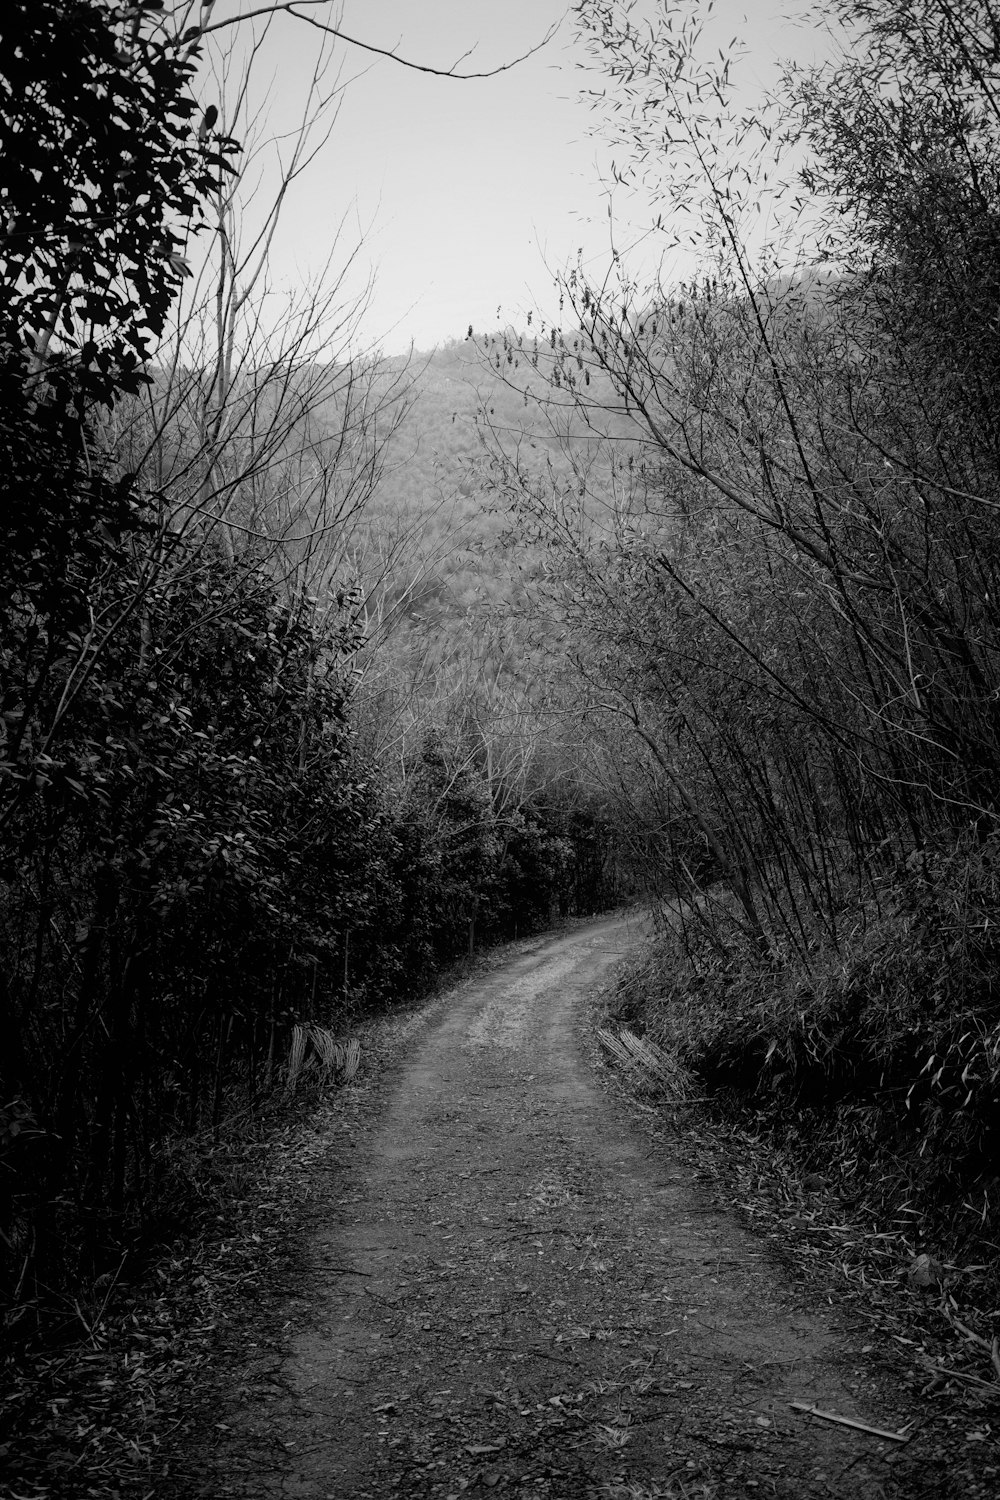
x=86 y=1412
x=877 y=1058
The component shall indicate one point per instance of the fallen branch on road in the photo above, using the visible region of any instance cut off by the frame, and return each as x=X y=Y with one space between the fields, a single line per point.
x=830 y=1416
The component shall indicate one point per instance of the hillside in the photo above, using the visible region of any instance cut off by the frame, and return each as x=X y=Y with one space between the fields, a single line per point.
x=440 y=510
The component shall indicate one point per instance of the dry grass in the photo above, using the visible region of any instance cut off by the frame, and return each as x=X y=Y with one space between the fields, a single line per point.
x=315 y=1050
x=650 y=1068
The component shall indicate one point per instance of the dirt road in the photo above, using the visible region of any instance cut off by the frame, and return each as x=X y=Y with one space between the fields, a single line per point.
x=518 y=1293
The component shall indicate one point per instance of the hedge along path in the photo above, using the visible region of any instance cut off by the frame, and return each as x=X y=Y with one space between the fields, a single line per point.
x=518 y=1293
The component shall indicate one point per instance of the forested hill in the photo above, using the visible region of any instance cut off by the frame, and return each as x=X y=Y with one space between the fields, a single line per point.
x=441 y=494
x=434 y=485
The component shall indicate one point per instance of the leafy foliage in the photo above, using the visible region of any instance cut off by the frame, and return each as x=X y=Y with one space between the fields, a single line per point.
x=109 y=161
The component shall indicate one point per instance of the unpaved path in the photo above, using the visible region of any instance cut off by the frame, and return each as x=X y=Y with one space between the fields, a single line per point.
x=517 y=1293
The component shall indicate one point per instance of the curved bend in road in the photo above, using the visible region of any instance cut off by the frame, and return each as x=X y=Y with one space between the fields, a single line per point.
x=520 y=1294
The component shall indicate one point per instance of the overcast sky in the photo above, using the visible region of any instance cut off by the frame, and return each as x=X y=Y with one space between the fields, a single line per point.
x=463 y=196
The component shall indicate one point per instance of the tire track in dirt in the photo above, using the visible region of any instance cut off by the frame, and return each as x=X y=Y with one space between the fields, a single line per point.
x=516 y=1293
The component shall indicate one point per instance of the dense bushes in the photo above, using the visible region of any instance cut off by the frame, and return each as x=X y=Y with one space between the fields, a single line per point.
x=196 y=860
x=879 y=1056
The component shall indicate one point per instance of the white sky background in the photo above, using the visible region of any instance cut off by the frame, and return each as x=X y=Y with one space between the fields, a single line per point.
x=464 y=197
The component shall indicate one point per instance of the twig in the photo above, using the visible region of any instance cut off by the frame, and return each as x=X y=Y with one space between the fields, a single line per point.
x=829 y=1416
x=977 y=1338
x=272 y=7
x=995 y=1355
x=107 y=1296
x=946 y=1374
x=539 y=1354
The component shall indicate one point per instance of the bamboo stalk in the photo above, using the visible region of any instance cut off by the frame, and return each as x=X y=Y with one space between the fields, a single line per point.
x=942 y=1372
x=829 y=1416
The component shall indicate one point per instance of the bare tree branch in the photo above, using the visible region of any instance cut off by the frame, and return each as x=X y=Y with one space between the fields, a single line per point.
x=293 y=8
